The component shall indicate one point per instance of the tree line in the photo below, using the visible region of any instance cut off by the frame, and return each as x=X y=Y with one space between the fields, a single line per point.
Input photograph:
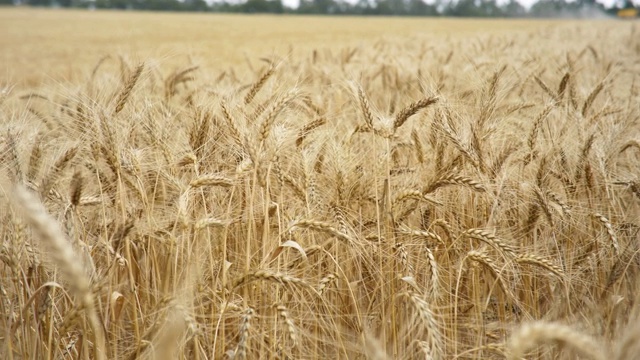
x=455 y=8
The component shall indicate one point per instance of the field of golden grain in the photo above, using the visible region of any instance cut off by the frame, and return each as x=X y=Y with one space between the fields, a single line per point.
x=42 y=46
x=314 y=188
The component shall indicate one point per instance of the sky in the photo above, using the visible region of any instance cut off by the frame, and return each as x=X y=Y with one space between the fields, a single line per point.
x=526 y=3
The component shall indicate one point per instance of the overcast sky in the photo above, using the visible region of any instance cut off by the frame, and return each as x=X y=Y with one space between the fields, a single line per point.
x=527 y=3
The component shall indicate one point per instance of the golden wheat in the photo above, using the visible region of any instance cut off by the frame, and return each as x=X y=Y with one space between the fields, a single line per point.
x=428 y=196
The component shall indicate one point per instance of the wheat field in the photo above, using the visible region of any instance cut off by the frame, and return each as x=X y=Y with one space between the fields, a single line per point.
x=423 y=195
x=40 y=46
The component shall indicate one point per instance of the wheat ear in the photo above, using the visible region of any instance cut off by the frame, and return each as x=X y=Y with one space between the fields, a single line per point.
x=128 y=87
x=65 y=257
x=411 y=110
x=530 y=335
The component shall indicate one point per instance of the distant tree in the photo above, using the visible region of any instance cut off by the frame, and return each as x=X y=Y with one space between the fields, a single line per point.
x=262 y=6
x=382 y=7
x=224 y=7
x=399 y=7
x=420 y=8
x=158 y=5
x=489 y=8
x=475 y=8
x=306 y=7
x=39 y=2
x=514 y=9
x=196 y=5
x=362 y=7
x=626 y=4
x=326 y=6
x=320 y=7
x=550 y=8
x=114 y=4
x=462 y=8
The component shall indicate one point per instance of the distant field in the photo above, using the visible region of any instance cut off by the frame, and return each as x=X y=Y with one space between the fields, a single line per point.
x=41 y=44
